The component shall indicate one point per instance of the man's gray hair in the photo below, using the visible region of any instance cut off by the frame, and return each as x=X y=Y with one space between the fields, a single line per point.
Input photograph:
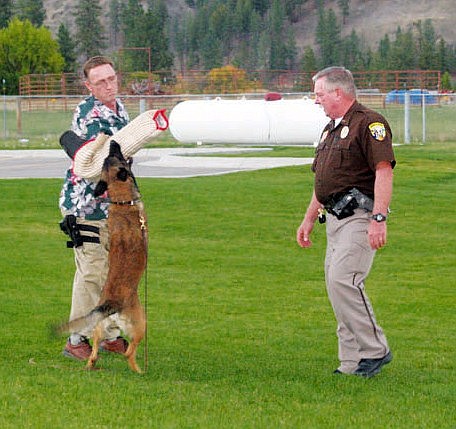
x=337 y=77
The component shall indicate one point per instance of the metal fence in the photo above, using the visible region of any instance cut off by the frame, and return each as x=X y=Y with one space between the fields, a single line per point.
x=226 y=80
x=45 y=118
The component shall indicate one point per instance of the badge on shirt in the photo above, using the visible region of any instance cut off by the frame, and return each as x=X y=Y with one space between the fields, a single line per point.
x=344 y=132
x=378 y=131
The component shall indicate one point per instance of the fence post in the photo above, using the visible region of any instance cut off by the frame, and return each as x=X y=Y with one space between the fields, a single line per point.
x=407 y=117
x=19 y=116
x=4 y=108
x=424 y=116
x=142 y=105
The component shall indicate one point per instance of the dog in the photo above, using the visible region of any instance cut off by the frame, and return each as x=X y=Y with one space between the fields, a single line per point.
x=127 y=225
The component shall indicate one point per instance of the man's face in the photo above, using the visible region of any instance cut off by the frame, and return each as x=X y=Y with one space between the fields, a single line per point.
x=102 y=83
x=328 y=99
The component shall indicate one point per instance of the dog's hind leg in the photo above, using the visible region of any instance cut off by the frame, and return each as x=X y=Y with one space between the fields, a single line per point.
x=137 y=330
x=96 y=339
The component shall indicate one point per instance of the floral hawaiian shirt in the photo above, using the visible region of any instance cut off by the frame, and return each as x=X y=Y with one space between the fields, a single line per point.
x=91 y=118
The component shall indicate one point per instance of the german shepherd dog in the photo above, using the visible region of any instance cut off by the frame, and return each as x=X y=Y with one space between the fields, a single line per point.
x=127 y=258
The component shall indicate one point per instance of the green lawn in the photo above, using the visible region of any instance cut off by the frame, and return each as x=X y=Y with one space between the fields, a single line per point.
x=241 y=333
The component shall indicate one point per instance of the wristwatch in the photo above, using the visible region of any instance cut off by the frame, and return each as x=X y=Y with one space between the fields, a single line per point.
x=378 y=217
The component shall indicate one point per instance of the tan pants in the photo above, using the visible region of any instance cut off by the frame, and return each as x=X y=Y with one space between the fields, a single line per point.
x=348 y=261
x=92 y=266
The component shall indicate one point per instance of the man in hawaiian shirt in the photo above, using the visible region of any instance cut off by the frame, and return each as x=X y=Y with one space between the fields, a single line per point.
x=102 y=113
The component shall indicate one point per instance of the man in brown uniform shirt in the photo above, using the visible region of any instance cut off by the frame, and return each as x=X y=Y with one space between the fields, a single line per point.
x=353 y=181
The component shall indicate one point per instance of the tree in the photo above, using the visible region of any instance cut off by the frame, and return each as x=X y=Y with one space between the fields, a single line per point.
x=427 y=55
x=211 y=50
x=6 y=11
x=67 y=48
x=345 y=9
x=352 y=55
x=308 y=61
x=89 y=31
x=293 y=9
x=242 y=15
x=442 y=56
x=25 y=49
x=115 y=21
x=261 y=6
x=33 y=10
x=383 y=53
x=446 y=82
x=278 y=49
x=181 y=41
x=403 y=52
x=228 y=79
x=156 y=21
x=328 y=37
x=146 y=30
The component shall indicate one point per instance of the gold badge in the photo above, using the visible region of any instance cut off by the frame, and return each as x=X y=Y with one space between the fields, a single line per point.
x=344 y=132
x=378 y=131
x=323 y=136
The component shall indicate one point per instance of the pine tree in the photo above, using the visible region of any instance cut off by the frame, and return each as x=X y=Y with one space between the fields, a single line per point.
x=328 y=37
x=351 y=55
x=345 y=9
x=89 y=30
x=427 y=42
x=33 y=10
x=278 y=49
x=384 y=53
x=442 y=57
x=308 y=61
x=146 y=31
x=6 y=12
x=156 y=24
x=403 y=52
x=115 y=21
x=67 y=48
x=261 y=6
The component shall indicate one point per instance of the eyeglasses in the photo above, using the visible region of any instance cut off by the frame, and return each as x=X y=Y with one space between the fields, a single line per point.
x=103 y=83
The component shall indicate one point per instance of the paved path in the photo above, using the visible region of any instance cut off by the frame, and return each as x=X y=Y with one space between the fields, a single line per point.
x=164 y=163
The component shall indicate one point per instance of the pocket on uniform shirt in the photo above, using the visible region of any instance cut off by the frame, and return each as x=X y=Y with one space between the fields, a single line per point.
x=341 y=155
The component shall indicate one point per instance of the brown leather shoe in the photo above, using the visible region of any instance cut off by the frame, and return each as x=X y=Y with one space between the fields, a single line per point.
x=119 y=345
x=81 y=351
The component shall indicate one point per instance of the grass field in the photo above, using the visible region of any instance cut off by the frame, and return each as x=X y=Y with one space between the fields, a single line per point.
x=241 y=333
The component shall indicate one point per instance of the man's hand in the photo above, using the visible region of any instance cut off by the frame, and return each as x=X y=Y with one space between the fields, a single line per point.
x=100 y=141
x=303 y=233
x=377 y=234
x=306 y=227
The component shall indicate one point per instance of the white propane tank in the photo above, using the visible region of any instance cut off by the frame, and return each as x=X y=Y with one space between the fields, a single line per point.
x=297 y=121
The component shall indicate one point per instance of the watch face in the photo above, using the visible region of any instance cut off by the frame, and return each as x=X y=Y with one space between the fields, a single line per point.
x=379 y=217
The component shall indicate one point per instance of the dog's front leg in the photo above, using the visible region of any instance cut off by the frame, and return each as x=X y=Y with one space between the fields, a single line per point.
x=95 y=343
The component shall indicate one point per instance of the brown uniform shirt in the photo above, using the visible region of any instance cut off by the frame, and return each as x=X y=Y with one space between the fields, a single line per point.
x=348 y=154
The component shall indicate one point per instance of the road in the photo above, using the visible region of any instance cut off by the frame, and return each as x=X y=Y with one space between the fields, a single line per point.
x=158 y=163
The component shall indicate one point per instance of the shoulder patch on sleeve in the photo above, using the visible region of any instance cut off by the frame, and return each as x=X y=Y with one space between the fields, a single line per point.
x=378 y=131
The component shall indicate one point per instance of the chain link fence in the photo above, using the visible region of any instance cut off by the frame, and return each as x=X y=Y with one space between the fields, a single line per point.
x=44 y=118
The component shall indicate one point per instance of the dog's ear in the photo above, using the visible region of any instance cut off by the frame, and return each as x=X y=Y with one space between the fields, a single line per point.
x=101 y=188
x=115 y=150
x=123 y=174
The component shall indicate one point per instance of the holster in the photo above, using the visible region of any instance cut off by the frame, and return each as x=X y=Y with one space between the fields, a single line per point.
x=344 y=205
x=71 y=228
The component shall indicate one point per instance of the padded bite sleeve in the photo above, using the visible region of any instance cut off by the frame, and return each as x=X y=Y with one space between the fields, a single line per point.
x=89 y=159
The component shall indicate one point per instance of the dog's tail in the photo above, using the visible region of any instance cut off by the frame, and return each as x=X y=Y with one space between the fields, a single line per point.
x=90 y=320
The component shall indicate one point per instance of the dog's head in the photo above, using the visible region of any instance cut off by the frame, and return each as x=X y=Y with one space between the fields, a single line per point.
x=116 y=175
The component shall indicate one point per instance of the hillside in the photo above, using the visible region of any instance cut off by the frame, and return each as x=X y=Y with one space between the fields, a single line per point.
x=371 y=19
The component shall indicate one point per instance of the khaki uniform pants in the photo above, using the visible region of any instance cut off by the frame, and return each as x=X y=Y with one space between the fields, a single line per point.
x=348 y=261
x=92 y=266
